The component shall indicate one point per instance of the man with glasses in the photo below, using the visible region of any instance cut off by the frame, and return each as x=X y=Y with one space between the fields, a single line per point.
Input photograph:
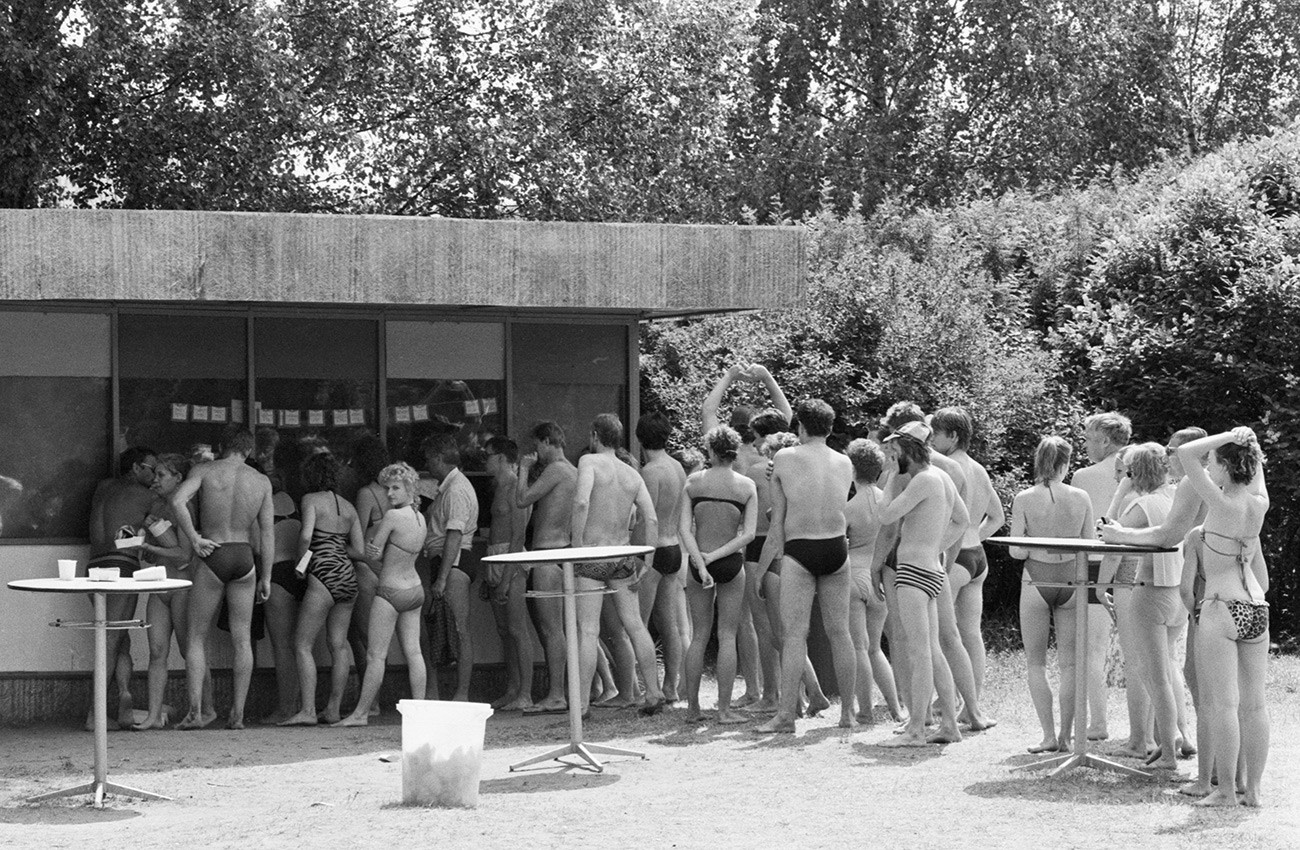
x=118 y=509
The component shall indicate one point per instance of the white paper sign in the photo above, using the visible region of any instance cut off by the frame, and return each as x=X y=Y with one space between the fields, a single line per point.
x=340 y=417
x=265 y=416
x=471 y=407
x=200 y=413
x=291 y=418
x=218 y=414
x=180 y=412
x=420 y=413
x=357 y=416
x=402 y=414
x=315 y=417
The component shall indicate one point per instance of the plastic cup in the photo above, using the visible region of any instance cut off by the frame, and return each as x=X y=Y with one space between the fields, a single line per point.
x=67 y=569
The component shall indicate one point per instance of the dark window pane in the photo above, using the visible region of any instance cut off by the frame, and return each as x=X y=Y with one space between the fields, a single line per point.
x=420 y=408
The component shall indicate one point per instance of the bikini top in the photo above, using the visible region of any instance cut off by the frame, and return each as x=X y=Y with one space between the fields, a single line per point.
x=695 y=500
x=396 y=545
x=1243 y=557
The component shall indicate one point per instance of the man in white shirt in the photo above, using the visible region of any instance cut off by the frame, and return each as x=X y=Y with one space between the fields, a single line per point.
x=453 y=519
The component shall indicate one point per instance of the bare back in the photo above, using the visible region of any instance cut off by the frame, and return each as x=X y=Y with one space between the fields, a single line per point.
x=814 y=482
x=664 y=479
x=117 y=502
x=614 y=488
x=231 y=494
x=1056 y=510
x=928 y=500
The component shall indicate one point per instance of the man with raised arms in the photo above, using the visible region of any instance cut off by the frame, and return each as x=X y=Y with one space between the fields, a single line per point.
x=235 y=508
x=1104 y=434
x=551 y=498
x=661 y=587
x=810 y=487
x=931 y=518
x=121 y=502
x=953 y=429
x=607 y=493
x=507 y=583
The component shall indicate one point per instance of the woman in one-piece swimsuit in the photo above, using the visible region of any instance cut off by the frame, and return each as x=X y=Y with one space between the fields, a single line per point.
x=399 y=598
x=1232 y=633
x=331 y=530
x=719 y=512
x=1049 y=509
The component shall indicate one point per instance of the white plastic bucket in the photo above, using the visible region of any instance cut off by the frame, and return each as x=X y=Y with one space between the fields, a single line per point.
x=442 y=751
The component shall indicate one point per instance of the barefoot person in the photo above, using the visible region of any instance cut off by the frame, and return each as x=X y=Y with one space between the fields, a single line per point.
x=234 y=509
x=369 y=457
x=1104 y=434
x=810 y=486
x=607 y=492
x=551 y=498
x=719 y=512
x=506 y=584
x=931 y=518
x=661 y=588
x=168 y=612
x=1050 y=509
x=867 y=609
x=281 y=607
x=120 y=503
x=399 y=595
x=1232 y=636
x=453 y=519
x=331 y=531
x=953 y=431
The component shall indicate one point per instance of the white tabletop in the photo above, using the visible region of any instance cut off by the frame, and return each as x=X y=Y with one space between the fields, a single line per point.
x=575 y=555
x=1076 y=544
x=85 y=585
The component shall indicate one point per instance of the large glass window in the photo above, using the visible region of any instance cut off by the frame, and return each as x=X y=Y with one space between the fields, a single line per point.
x=569 y=374
x=181 y=379
x=54 y=420
x=443 y=374
x=315 y=387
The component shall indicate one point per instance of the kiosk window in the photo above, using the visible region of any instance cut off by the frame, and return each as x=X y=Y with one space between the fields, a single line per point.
x=54 y=415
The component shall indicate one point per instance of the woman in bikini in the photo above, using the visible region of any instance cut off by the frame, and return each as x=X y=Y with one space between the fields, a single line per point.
x=1049 y=509
x=331 y=531
x=168 y=612
x=868 y=610
x=399 y=596
x=1232 y=633
x=719 y=512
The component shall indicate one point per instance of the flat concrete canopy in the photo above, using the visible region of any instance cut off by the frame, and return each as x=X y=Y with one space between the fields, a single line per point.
x=650 y=270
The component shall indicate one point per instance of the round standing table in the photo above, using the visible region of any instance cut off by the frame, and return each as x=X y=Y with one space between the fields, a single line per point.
x=99 y=592
x=1081 y=549
x=566 y=558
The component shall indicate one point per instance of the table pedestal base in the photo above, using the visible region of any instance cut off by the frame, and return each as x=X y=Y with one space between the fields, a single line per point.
x=586 y=752
x=1066 y=763
x=99 y=789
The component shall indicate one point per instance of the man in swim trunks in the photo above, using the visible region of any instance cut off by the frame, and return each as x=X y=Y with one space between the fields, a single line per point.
x=931 y=518
x=953 y=429
x=1104 y=434
x=810 y=487
x=551 y=498
x=235 y=508
x=661 y=588
x=507 y=583
x=119 y=503
x=453 y=519
x=607 y=493
x=954 y=664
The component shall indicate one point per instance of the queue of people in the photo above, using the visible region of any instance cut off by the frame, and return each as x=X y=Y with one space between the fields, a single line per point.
x=776 y=514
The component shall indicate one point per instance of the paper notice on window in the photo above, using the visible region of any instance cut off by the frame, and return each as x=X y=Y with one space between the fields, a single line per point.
x=339 y=417
x=180 y=412
x=290 y=418
x=419 y=413
x=218 y=414
x=489 y=406
x=200 y=413
x=402 y=414
x=236 y=410
x=315 y=417
x=357 y=416
x=471 y=407
x=265 y=416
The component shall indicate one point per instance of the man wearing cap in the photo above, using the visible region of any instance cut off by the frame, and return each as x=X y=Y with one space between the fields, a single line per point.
x=810 y=487
x=931 y=518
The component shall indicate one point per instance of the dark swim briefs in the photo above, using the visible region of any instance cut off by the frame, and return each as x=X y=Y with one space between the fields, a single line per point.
x=821 y=557
x=974 y=561
x=668 y=559
x=230 y=561
x=607 y=570
x=284 y=575
x=723 y=570
x=126 y=564
x=754 y=548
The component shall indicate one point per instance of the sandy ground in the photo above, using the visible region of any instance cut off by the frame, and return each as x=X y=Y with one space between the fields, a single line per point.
x=701 y=785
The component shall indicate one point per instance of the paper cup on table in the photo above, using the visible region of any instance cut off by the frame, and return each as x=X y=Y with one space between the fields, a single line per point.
x=67 y=569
